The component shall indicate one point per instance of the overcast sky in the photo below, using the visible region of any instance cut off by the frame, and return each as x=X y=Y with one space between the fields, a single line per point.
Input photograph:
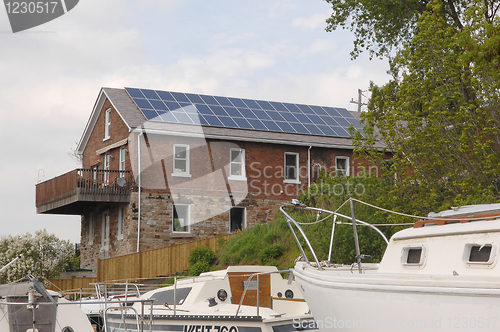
x=50 y=76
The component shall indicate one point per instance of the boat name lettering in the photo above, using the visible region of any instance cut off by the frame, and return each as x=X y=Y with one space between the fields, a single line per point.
x=210 y=328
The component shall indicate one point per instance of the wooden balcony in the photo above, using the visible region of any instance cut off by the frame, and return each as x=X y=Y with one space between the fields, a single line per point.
x=72 y=192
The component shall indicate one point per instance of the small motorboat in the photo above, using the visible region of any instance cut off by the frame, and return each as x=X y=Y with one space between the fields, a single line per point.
x=237 y=299
x=26 y=306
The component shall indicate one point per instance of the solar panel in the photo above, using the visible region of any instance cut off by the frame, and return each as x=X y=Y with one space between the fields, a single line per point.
x=248 y=114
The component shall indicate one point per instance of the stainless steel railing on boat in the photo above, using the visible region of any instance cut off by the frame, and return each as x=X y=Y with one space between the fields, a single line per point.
x=247 y=285
x=139 y=318
x=119 y=296
x=290 y=220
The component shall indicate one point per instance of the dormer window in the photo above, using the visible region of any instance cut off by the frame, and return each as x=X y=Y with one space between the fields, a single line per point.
x=107 y=124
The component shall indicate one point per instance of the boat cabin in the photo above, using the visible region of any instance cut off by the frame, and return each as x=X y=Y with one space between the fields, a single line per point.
x=460 y=241
x=211 y=289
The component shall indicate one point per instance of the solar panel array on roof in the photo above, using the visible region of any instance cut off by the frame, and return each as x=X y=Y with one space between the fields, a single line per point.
x=205 y=110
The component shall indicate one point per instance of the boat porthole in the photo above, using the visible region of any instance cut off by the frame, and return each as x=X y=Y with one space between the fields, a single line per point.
x=222 y=294
x=289 y=294
x=67 y=329
x=280 y=294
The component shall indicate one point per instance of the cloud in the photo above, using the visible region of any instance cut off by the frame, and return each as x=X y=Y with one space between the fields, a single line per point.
x=224 y=39
x=320 y=45
x=314 y=21
x=282 y=7
x=163 y=5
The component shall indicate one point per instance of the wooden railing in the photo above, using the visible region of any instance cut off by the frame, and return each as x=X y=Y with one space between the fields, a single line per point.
x=87 y=181
x=111 y=182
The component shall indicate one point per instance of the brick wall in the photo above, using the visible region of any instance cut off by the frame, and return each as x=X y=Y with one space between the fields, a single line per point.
x=119 y=131
x=206 y=190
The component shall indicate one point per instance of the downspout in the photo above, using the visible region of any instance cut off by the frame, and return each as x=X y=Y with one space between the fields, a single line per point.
x=309 y=166
x=139 y=184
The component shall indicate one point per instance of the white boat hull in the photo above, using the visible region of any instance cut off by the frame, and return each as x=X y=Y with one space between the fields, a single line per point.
x=237 y=299
x=190 y=324
x=342 y=301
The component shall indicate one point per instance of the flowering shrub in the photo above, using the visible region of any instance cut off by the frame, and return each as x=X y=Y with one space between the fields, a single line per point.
x=44 y=256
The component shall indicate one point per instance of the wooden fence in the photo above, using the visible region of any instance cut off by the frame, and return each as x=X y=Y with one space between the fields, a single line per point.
x=73 y=285
x=145 y=264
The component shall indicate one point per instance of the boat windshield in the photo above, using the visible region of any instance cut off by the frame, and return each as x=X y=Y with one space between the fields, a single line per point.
x=167 y=296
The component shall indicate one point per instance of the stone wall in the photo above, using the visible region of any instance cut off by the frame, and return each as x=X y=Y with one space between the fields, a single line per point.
x=156 y=223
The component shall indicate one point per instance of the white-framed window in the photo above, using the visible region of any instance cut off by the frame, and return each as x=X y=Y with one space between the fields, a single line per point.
x=107 y=124
x=342 y=166
x=180 y=218
x=121 y=166
x=107 y=162
x=91 y=229
x=121 y=223
x=105 y=231
x=414 y=256
x=237 y=164
x=237 y=219
x=291 y=167
x=181 y=160
x=480 y=255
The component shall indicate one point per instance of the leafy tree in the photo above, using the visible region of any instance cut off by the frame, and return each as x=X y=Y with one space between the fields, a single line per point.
x=381 y=26
x=44 y=256
x=439 y=114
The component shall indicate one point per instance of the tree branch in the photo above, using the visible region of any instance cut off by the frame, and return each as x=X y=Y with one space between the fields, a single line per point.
x=454 y=14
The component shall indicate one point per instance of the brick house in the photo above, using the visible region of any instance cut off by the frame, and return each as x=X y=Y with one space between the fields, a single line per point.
x=162 y=168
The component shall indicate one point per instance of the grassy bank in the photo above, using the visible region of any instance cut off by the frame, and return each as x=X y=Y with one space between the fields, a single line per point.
x=274 y=244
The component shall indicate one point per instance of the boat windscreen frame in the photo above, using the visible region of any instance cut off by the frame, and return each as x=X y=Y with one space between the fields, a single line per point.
x=290 y=220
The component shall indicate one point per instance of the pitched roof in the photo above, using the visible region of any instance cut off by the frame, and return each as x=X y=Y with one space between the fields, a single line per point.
x=227 y=118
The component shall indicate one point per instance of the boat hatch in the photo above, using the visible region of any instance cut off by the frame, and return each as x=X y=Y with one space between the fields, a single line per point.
x=167 y=296
x=480 y=255
x=262 y=287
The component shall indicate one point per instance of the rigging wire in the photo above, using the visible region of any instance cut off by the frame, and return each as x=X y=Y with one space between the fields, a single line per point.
x=373 y=206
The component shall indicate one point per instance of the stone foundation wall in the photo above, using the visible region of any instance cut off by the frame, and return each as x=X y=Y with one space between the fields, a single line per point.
x=157 y=225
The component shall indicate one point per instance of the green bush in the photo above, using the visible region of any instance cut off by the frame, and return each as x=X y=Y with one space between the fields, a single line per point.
x=270 y=237
x=270 y=254
x=198 y=268
x=200 y=260
x=201 y=254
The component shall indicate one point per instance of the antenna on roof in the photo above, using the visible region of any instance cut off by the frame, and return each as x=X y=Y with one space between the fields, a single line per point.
x=360 y=95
